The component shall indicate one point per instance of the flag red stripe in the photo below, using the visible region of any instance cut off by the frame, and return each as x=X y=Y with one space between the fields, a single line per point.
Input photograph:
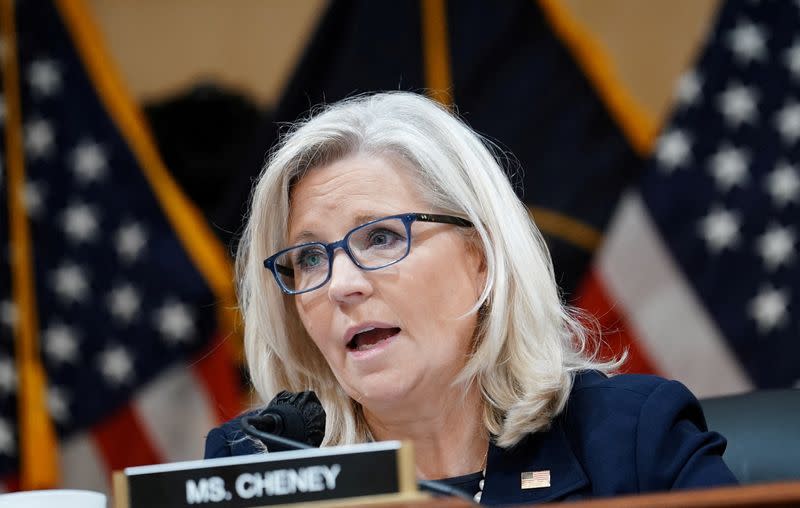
x=123 y=441
x=10 y=483
x=216 y=369
x=617 y=336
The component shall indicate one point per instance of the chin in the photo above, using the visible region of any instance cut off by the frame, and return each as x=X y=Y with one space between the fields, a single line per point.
x=381 y=394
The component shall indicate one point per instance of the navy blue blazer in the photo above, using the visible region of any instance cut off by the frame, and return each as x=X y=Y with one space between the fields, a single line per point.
x=621 y=435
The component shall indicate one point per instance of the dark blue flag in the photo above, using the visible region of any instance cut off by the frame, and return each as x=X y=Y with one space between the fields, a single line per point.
x=703 y=258
x=129 y=284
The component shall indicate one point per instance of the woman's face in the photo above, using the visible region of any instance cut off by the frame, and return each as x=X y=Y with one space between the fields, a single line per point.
x=413 y=315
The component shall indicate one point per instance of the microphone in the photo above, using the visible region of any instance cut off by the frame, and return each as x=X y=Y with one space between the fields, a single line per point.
x=291 y=421
x=296 y=421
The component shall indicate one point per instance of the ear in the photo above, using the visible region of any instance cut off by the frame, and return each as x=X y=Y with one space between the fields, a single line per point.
x=475 y=247
x=475 y=250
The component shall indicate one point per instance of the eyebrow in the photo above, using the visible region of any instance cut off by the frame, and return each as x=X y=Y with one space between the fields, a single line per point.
x=303 y=237
x=364 y=218
x=306 y=235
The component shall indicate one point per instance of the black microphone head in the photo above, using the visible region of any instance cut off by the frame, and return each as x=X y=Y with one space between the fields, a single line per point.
x=302 y=415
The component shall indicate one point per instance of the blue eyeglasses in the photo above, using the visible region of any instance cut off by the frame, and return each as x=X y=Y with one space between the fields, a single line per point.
x=371 y=246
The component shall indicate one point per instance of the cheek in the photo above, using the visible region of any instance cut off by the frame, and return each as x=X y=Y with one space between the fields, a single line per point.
x=454 y=280
x=439 y=295
x=312 y=317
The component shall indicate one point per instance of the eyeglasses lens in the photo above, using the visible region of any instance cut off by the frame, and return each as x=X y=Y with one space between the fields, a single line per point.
x=379 y=244
x=372 y=246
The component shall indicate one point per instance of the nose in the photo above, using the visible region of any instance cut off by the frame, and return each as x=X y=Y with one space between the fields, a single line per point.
x=349 y=283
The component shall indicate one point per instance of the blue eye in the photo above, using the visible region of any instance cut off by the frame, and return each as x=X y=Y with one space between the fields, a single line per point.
x=310 y=259
x=383 y=238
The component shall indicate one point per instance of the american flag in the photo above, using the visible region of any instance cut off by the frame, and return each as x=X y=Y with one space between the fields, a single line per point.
x=132 y=291
x=701 y=260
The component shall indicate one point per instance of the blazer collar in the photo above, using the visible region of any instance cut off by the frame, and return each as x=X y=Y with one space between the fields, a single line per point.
x=543 y=451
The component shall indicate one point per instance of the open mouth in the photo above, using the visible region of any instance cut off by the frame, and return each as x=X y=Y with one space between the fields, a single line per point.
x=368 y=339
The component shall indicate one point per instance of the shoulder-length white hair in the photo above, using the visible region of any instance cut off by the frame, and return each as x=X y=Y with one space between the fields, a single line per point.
x=528 y=343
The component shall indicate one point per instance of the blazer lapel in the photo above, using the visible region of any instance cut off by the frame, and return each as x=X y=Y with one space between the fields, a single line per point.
x=539 y=453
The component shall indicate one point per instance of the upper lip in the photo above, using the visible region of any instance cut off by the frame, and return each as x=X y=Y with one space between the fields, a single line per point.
x=363 y=327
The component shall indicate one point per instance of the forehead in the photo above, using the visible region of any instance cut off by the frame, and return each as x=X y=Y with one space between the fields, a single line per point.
x=340 y=195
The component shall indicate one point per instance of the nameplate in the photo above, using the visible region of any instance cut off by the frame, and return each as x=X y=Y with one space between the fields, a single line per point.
x=383 y=470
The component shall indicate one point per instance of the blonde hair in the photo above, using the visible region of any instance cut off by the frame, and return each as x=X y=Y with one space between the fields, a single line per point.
x=529 y=345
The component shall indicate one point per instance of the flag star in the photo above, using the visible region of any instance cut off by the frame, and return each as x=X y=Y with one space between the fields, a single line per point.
x=738 y=105
x=720 y=229
x=748 y=42
x=116 y=365
x=71 y=283
x=44 y=77
x=32 y=198
x=39 y=138
x=787 y=121
x=729 y=167
x=674 y=150
x=8 y=313
x=80 y=222
x=689 y=89
x=768 y=309
x=61 y=343
x=792 y=59
x=783 y=184
x=58 y=404
x=123 y=302
x=776 y=246
x=8 y=376
x=7 y=445
x=130 y=239
x=174 y=321
x=89 y=161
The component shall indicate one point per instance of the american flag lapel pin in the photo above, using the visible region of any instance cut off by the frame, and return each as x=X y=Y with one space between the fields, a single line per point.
x=535 y=479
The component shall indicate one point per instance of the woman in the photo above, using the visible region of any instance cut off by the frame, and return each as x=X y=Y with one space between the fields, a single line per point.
x=407 y=286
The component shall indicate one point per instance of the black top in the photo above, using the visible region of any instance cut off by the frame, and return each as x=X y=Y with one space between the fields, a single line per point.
x=468 y=483
x=627 y=434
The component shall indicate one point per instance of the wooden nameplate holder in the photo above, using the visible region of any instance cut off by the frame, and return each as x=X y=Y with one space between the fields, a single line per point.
x=349 y=475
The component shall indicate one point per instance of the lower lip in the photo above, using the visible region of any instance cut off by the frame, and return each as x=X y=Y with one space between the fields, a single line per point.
x=374 y=350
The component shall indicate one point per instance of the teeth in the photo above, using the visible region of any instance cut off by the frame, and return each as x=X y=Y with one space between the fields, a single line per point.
x=367 y=347
x=369 y=328
x=355 y=345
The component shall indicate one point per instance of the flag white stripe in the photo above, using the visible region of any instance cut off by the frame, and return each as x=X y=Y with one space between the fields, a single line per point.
x=176 y=413
x=665 y=313
x=82 y=466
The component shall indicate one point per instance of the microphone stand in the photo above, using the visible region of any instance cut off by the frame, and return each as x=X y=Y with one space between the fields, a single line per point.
x=442 y=488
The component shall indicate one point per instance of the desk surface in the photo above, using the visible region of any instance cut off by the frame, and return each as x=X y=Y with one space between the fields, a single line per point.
x=770 y=495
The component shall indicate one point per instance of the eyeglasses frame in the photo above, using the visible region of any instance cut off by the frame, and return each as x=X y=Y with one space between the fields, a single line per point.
x=330 y=248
